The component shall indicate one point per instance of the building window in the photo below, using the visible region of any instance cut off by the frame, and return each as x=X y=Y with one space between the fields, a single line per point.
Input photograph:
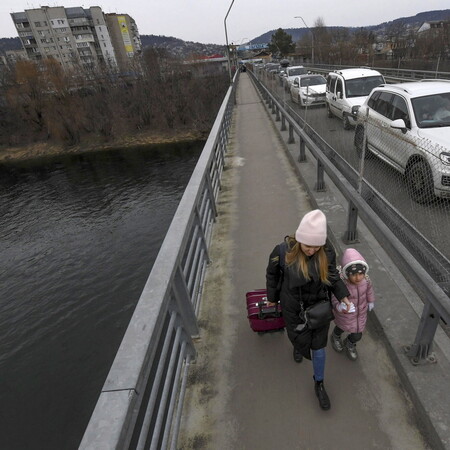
x=37 y=24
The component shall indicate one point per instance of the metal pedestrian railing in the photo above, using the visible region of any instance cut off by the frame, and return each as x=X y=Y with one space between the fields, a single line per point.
x=141 y=401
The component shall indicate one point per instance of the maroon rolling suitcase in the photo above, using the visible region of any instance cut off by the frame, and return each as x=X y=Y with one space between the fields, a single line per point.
x=263 y=318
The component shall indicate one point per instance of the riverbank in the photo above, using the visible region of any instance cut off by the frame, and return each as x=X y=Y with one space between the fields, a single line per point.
x=38 y=150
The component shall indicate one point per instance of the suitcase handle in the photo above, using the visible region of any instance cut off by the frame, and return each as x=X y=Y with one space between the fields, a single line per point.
x=269 y=310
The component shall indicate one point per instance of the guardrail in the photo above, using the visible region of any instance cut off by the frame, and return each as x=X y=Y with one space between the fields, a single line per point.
x=141 y=401
x=436 y=301
x=391 y=75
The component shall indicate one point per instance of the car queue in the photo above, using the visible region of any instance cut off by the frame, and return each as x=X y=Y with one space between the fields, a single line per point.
x=405 y=125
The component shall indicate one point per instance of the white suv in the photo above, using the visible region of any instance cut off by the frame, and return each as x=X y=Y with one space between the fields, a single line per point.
x=347 y=88
x=407 y=125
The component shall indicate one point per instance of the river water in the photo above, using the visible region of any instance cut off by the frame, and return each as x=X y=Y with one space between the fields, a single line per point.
x=79 y=235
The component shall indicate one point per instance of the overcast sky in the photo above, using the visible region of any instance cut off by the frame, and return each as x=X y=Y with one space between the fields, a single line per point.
x=203 y=20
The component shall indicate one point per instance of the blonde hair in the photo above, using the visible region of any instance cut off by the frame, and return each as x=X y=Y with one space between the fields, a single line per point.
x=296 y=256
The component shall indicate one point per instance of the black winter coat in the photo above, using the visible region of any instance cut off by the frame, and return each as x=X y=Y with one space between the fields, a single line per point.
x=293 y=288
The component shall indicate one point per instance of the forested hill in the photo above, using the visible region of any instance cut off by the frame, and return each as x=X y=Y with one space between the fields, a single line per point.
x=176 y=47
x=9 y=44
x=413 y=22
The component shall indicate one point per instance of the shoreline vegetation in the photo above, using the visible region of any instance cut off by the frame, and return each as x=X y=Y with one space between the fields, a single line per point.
x=47 y=111
x=42 y=150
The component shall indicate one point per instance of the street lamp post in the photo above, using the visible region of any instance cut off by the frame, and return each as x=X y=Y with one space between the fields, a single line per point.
x=312 y=38
x=226 y=39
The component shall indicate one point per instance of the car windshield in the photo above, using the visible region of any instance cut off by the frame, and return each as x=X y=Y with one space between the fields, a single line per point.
x=297 y=71
x=312 y=81
x=361 y=87
x=432 y=110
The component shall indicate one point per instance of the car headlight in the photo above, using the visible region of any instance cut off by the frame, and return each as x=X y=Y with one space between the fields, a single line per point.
x=445 y=158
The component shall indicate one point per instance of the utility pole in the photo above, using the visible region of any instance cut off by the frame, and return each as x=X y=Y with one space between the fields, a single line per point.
x=226 y=39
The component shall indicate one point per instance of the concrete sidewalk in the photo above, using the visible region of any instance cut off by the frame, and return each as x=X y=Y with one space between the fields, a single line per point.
x=245 y=391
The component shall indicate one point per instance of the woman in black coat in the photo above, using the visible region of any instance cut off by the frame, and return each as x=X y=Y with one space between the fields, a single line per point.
x=306 y=277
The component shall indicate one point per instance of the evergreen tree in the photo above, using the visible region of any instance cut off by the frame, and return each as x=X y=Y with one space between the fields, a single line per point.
x=281 y=43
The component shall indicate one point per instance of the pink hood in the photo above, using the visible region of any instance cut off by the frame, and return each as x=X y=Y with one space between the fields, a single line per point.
x=352 y=256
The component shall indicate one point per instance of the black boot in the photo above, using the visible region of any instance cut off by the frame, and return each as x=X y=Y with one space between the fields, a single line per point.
x=322 y=395
x=298 y=357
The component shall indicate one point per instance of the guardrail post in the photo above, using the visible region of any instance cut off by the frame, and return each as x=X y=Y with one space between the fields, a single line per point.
x=277 y=114
x=302 y=154
x=291 y=138
x=351 y=234
x=420 y=352
x=283 y=122
x=273 y=107
x=320 y=183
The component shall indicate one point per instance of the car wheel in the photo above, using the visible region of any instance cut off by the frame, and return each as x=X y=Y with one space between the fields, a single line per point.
x=420 y=184
x=358 y=142
x=346 y=122
x=329 y=113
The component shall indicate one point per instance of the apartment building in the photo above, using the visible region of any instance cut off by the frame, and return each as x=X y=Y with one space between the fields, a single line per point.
x=75 y=36
x=125 y=35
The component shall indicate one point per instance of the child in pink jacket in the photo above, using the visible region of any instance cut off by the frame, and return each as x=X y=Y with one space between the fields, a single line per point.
x=354 y=269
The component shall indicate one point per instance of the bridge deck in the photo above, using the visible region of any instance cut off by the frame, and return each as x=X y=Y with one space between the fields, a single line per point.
x=245 y=391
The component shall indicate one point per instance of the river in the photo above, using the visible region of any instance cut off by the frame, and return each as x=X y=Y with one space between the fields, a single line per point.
x=79 y=235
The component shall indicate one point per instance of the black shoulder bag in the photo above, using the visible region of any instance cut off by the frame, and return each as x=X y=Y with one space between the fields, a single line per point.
x=317 y=315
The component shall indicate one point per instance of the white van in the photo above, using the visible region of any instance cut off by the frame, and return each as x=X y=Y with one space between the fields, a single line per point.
x=290 y=73
x=347 y=88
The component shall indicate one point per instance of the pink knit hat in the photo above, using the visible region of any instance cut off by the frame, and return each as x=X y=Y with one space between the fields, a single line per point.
x=312 y=230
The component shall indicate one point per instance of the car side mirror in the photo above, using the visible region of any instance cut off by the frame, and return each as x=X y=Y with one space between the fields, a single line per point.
x=339 y=94
x=399 y=124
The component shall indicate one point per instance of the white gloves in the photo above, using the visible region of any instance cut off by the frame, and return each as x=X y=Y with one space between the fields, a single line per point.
x=370 y=306
x=343 y=307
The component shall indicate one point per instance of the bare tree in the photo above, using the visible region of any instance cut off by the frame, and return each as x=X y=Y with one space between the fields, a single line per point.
x=322 y=41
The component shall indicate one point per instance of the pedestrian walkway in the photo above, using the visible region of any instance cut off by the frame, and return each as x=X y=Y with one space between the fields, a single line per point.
x=245 y=391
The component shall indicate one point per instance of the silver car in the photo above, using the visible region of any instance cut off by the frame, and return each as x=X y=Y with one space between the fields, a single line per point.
x=308 y=90
x=407 y=125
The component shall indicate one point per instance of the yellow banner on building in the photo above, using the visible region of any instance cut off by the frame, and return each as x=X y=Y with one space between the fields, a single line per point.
x=125 y=34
